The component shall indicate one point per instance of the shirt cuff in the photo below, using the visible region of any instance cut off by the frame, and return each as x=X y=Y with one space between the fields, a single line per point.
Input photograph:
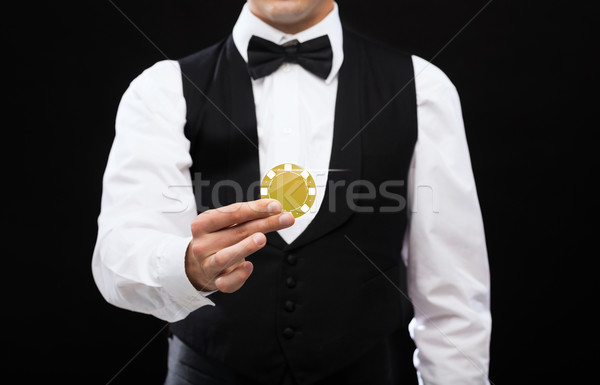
x=172 y=276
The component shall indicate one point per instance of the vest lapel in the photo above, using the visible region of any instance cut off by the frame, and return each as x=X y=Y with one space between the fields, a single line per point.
x=243 y=163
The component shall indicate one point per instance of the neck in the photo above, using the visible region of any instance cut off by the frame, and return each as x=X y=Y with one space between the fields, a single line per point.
x=294 y=26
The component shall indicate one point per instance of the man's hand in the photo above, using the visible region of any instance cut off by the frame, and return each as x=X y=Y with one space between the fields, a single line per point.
x=224 y=237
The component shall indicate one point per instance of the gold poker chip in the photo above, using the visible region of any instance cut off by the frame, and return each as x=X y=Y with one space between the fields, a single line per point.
x=291 y=185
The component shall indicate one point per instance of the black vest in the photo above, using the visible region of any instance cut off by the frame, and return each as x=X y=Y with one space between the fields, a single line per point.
x=319 y=303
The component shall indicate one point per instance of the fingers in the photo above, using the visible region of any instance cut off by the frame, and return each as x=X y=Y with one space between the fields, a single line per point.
x=232 y=255
x=226 y=216
x=221 y=239
x=232 y=281
x=228 y=267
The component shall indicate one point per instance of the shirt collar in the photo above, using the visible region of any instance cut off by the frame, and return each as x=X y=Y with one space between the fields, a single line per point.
x=248 y=24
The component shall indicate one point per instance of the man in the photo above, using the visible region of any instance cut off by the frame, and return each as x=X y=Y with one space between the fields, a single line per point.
x=321 y=299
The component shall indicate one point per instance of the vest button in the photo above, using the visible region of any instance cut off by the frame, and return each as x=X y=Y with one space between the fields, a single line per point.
x=288 y=333
x=292 y=259
x=290 y=282
x=289 y=306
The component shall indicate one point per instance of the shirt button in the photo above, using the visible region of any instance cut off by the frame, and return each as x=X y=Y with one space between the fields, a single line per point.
x=292 y=259
x=290 y=282
x=286 y=67
x=288 y=333
x=289 y=306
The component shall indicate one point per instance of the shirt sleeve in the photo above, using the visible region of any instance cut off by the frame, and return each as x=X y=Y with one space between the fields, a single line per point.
x=147 y=202
x=444 y=249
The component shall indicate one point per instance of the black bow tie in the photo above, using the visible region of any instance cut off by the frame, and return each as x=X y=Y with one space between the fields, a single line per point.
x=265 y=57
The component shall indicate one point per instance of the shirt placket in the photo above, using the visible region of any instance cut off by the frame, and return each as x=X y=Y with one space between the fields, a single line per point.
x=286 y=115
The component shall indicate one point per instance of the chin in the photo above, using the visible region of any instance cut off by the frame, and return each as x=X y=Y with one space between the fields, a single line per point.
x=285 y=10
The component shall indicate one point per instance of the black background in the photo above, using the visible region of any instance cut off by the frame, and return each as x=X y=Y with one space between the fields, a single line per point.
x=525 y=80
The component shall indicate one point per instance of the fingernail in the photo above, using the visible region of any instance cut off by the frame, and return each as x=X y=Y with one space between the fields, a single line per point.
x=274 y=207
x=259 y=239
x=286 y=219
x=248 y=267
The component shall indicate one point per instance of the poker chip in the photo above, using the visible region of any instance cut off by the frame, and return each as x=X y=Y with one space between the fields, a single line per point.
x=291 y=185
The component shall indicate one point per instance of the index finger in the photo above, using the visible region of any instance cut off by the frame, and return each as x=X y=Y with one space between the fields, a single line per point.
x=227 y=216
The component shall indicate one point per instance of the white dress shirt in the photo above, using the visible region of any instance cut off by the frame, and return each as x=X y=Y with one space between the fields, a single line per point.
x=148 y=204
